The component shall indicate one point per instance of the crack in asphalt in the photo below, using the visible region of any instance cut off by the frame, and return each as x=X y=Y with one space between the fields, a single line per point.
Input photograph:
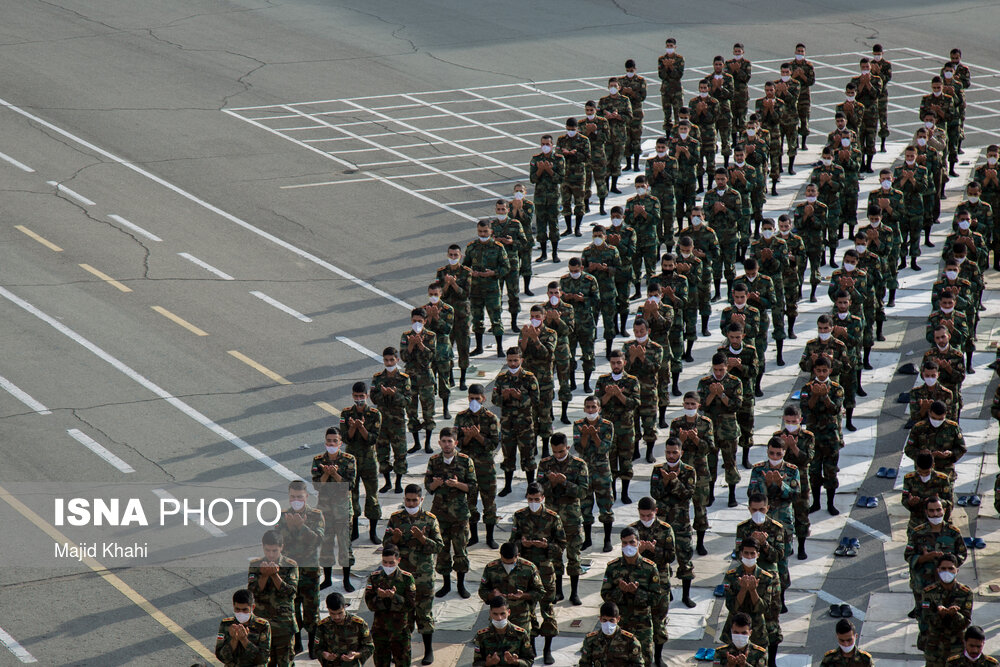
x=76 y=414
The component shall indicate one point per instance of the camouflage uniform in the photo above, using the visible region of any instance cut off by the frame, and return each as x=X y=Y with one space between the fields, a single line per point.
x=563 y=357
x=726 y=223
x=805 y=442
x=921 y=398
x=518 y=417
x=584 y=317
x=277 y=606
x=596 y=456
x=805 y=74
x=604 y=254
x=698 y=275
x=575 y=180
x=451 y=508
x=883 y=70
x=635 y=608
x=938 y=484
x=525 y=214
x=457 y=296
x=727 y=429
x=257 y=650
x=621 y=415
x=705 y=113
x=947 y=438
x=740 y=70
x=893 y=206
x=661 y=324
x=757 y=156
x=771 y=112
x=923 y=539
x=441 y=324
x=772 y=556
x=510 y=229
x=634 y=88
x=564 y=499
x=747 y=374
x=856 y=658
x=597 y=168
x=392 y=435
x=869 y=92
x=688 y=154
x=849 y=159
x=953 y=376
x=646 y=224
x=854 y=115
x=823 y=419
x=829 y=181
x=673 y=503
x=775 y=264
x=661 y=175
x=514 y=639
x=792 y=275
x=393 y=620
x=483 y=455
x=623 y=239
x=781 y=498
x=302 y=545
x=788 y=92
x=619 y=649
x=756 y=656
x=723 y=88
x=744 y=180
x=544 y=524
x=912 y=217
x=767 y=587
x=663 y=555
x=484 y=292
x=677 y=299
x=647 y=370
x=334 y=501
x=417 y=558
x=420 y=367
x=762 y=294
x=620 y=105
x=670 y=68
x=539 y=359
x=524 y=578
x=833 y=349
x=947 y=115
x=974 y=241
x=546 y=197
x=697 y=448
x=987 y=177
x=363 y=451
x=810 y=222
x=347 y=637
x=849 y=331
x=942 y=635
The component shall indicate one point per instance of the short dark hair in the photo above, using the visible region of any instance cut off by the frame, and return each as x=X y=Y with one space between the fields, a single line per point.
x=719 y=358
x=390 y=350
x=792 y=411
x=359 y=388
x=628 y=531
x=413 y=488
x=243 y=596
x=534 y=489
x=975 y=632
x=741 y=620
x=647 y=503
x=335 y=601
x=498 y=601
x=333 y=430
x=756 y=497
x=390 y=550
x=844 y=626
x=557 y=439
x=297 y=485
x=610 y=609
x=508 y=550
x=272 y=538
x=749 y=543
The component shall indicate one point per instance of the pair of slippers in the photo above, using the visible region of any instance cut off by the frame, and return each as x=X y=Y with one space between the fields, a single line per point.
x=975 y=542
x=869 y=502
x=705 y=654
x=973 y=500
x=848 y=547
x=887 y=473
x=720 y=591
x=841 y=611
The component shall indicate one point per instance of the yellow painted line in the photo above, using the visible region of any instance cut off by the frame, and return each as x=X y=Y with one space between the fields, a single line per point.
x=263 y=369
x=176 y=319
x=329 y=408
x=112 y=579
x=45 y=242
x=105 y=277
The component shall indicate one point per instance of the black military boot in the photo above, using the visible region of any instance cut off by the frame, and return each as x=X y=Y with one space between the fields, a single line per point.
x=398 y=488
x=473 y=533
x=327 y=578
x=913 y=264
x=868 y=351
x=297 y=645
x=428 y=658
x=586 y=381
x=700 y=546
x=569 y=225
x=892 y=299
x=638 y=293
x=614 y=186
x=701 y=184
x=803 y=142
x=416 y=442
x=563 y=417
x=662 y=423
x=649 y=452
x=444 y=405
x=490 y=542
x=547 y=652
x=779 y=344
x=513 y=324
x=354 y=529
x=587 y=538
x=628 y=162
x=725 y=161
x=711 y=494
x=462 y=592
x=602 y=211
x=772 y=654
x=791 y=327
x=572 y=377
x=927 y=238
x=311 y=646
x=774 y=187
x=882 y=147
x=559 y=591
x=791 y=166
x=445 y=587
x=347 y=580
x=816 y=484
x=607 y=538
x=527 y=288
x=427 y=441
x=687 y=352
x=812 y=294
x=545 y=447
x=704 y=326
x=608 y=342
x=576 y=228
x=626 y=500
x=757 y=391
x=545 y=255
x=372 y=534
x=746 y=458
x=479 y=345
x=508 y=477
x=860 y=390
x=574 y=595
x=555 y=252
x=674 y=389
x=879 y=336
x=830 y=493
x=624 y=322
x=718 y=292
x=802 y=555
x=833 y=254
x=388 y=483
x=732 y=496
x=686 y=593
x=951 y=169
x=635 y=162
x=848 y=423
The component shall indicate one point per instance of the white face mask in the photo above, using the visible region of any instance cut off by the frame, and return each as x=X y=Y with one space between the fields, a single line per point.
x=389 y=570
x=951 y=275
x=640 y=191
x=791 y=428
x=534 y=507
x=935 y=520
x=842 y=316
x=696 y=220
x=242 y=617
x=949 y=75
x=653 y=299
x=966 y=654
x=591 y=116
x=475 y=405
x=963 y=224
x=960 y=260
x=720 y=191
x=661 y=153
x=991 y=160
x=673 y=464
x=702 y=94
x=758 y=518
x=434 y=299
x=741 y=641
x=484 y=239
x=575 y=274
x=826 y=162
x=613 y=90
x=921 y=141
x=452 y=261
x=670 y=50
x=845 y=142
x=739 y=163
x=647 y=524
x=608 y=628
x=930 y=381
x=734 y=350
x=786 y=78
x=767 y=233
x=861 y=249
x=973 y=200
x=800 y=56
x=935 y=422
x=686 y=255
x=535 y=322
x=412 y=510
x=738 y=56
x=740 y=306
x=749 y=562
x=924 y=478
x=546 y=149
x=554 y=300
x=886 y=184
x=333 y=450
x=690 y=412
x=630 y=551
x=929 y=124
x=947 y=311
x=592 y=415
x=617 y=376
x=297 y=505
x=848 y=648
x=509 y=567
x=598 y=241
x=642 y=339
x=811 y=199
x=751 y=132
x=515 y=371
x=875 y=223
x=616 y=222
x=850 y=267
x=518 y=196
x=565 y=456
x=936 y=93
x=947 y=577
x=824 y=335
x=630 y=74
x=683 y=134
x=775 y=463
x=417 y=327
x=499 y=625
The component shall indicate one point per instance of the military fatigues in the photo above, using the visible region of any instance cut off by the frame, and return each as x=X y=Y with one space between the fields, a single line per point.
x=849 y=330
x=921 y=398
x=946 y=438
x=522 y=577
x=829 y=181
x=596 y=456
x=698 y=445
x=518 y=417
x=673 y=502
x=619 y=649
x=544 y=524
x=942 y=635
x=706 y=243
x=539 y=359
x=741 y=73
x=727 y=428
x=767 y=587
x=722 y=87
x=773 y=258
x=302 y=545
x=277 y=605
x=561 y=319
x=514 y=640
x=822 y=417
x=598 y=131
x=423 y=384
x=391 y=395
x=670 y=68
x=484 y=291
x=660 y=320
x=946 y=115
x=618 y=104
x=623 y=239
x=704 y=114
x=757 y=156
x=780 y=507
x=511 y=236
x=564 y=499
x=794 y=272
x=805 y=74
x=417 y=558
x=883 y=70
x=953 y=374
x=525 y=214
x=393 y=620
x=746 y=371
x=646 y=368
x=662 y=554
x=642 y=213
x=335 y=503
x=849 y=159
x=869 y=92
x=922 y=540
x=481 y=448
x=723 y=214
x=856 y=658
x=257 y=650
x=606 y=281
x=755 y=656
x=585 y=298
x=914 y=489
x=762 y=295
x=805 y=443
x=363 y=450
x=688 y=154
x=771 y=111
x=441 y=323
x=743 y=179
x=698 y=275
x=912 y=182
x=788 y=92
x=772 y=556
x=620 y=412
x=576 y=152
x=661 y=175
x=635 y=608
x=810 y=222
x=348 y=637
x=451 y=508
x=546 y=198
x=634 y=88
x=456 y=295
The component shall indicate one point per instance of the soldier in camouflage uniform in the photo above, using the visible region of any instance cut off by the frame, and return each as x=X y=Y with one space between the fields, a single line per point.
x=927 y=392
x=538 y=344
x=597 y=130
x=953 y=320
x=611 y=645
x=740 y=69
x=342 y=638
x=246 y=642
x=950 y=361
x=510 y=233
x=699 y=248
x=359 y=427
x=418 y=349
x=488 y=261
x=743 y=179
x=929 y=157
x=825 y=345
x=805 y=74
x=810 y=222
x=672 y=484
x=690 y=266
x=619 y=395
x=762 y=294
x=869 y=88
x=940 y=437
x=642 y=213
x=848 y=328
x=515 y=392
x=922 y=483
x=602 y=261
x=661 y=175
x=633 y=583
x=853 y=113
x=946 y=611
x=972 y=655
x=752 y=147
x=593 y=440
x=772 y=550
x=704 y=113
x=989 y=181
x=742 y=362
x=770 y=110
x=884 y=240
x=582 y=291
x=539 y=533
x=670 y=68
x=847 y=653
x=517 y=580
x=565 y=481
x=302 y=530
x=821 y=401
x=721 y=398
x=660 y=318
x=333 y=474
x=749 y=588
x=390 y=393
x=656 y=542
x=674 y=292
x=274 y=581
x=882 y=68
x=575 y=149
x=479 y=438
x=617 y=109
x=723 y=208
x=523 y=210
x=547 y=172
x=455 y=282
x=778 y=481
x=502 y=641
x=946 y=114
x=911 y=179
x=722 y=87
x=451 y=479
x=787 y=90
x=633 y=86
x=829 y=179
x=926 y=544
x=771 y=253
x=623 y=239
x=644 y=360
x=559 y=316
x=793 y=274
x=687 y=149
x=743 y=653
x=441 y=321
x=696 y=435
x=417 y=535
x=799 y=445
x=875 y=267
x=846 y=154
x=391 y=594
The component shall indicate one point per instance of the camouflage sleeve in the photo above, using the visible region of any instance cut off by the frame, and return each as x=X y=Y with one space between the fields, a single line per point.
x=470 y=478
x=433 y=542
x=223 y=647
x=366 y=644
x=557 y=540
x=532 y=176
x=757 y=484
x=961 y=551
x=316 y=472
x=371 y=595
x=580 y=488
x=290 y=582
x=669 y=547
x=610 y=592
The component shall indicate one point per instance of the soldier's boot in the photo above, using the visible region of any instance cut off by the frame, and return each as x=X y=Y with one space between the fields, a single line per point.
x=892 y=302
x=602 y=211
x=499 y=340
x=774 y=187
x=427 y=441
x=586 y=381
x=746 y=458
x=791 y=165
x=803 y=142
x=902 y=264
x=868 y=351
x=663 y=417
x=563 y=417
x=416 y=442
x=757 y=391
x=860 y=390
x=311 y=646
x=635 y=449
x=756 y=226
x=479 y=345
x=968 y=361
x=462 y=591
x=686 y=594
x=607 y=537
x=687 y=352
x=638 y=293
x=704 y=326
x=791 y=327
x=658 y=655
x=508 y=477
x=490 y=542
x=473 y=533
x=428 y=658
x=732 y=496
x=718 y=293
x=701 y=184
x=830 y=493
x=817 y=486
x=614 y=186
x=586 y=205
x=833 y=254
x=635 y=162
x=625 y=498
x=569 y=225
x=576 y=227
x=388 y=483
x=547 y=652
x=354 y=529
x=527 y=288
x=649 y=452
x=445 y=587
x=802 y=555
x=559 y=591
x=513 y=323
x=628 y=162
x=574 y=595
x=951 y=168
x=812 y=294
x=545 y=447
x=445 y=413
x=879 y=336
x=779 y=344
x=849 y=423
x=725 y=161
x=870 y=158
x=927 y=238
x=711 y=495
x=372 y=535
x=572 y=378
x=555 y=252
x=913 y=264
x=587 y=541
x=917 y=601
x=297 y=645
x=327 y=578
x=674 y=389
x=882 y=147
x=772 y=654
x=545 y=255
x=347 y=580
x=608 y=342
x=398 y=488
x=700 y=545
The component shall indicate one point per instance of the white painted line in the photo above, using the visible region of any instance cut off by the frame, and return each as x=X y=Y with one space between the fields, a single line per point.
x=877 y=534
x=151 y=386
x=14 y=647
x=75 y=195
x=360 y=348
x=20 y=165
x=208 y=526
x=135 y=228
x=833 y=599
x=208 y=267
x=99 y=449
x=282 y=307
x=23 y=396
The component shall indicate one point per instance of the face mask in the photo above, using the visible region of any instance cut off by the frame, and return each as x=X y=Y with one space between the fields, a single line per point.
x=910 y=163
x=484 y=239
x=499 y=625
x=475 y=405
x=591 y=415
x=785 y=233
x=661 y=153
x=767 y=233
x=947 y=311
x=452 y=262
x=973 y=200
x=630 y=551
x=570 y=133
x=546 y=149
x=991 y=160
x=843 y=316
x=943 y=347
x=417 y=327
x=758 y=518
x=389 y=570
x=741 y=641
x=786 y=78
x=575 y=275
x=642 y=339
x=613 y=90
x=936 y=93
x=630 y=74
x=702 y=94
x=647 y=524
x=951 y=275
x=534 y=507
x=696 y=221
x=297 y=505
x=412 y=510
x=847 y=649
x=824 y=336
x=717 y=76
x=590 y=116
x=960 y=260
x=640 y=191
x=333 y=450
x=930 y=382
x=515 y=371
x=740 y=306
x=936 y=422
x=740 y=163
x=554 y=300
x=921 y=141
x=598 y=241
x=509 y=567
x=617 y=376
x=963 y=224
x=673 y=464
x=720 y=191
x=935 y=520
x=811 y=199
x=690 y=412
x=566 y=456
x=734 y=350
x=670 y=51
x=845 y=142
x=800 y=56
x=608 y=628
x=535 y=322
x=776 y=462
x=948 y=75
x=826 y=162
x=886 y=184
x=861 y=249
x=749 y=562
x=684 y=135
x=929 y=124
x=925 y=478
x=947 y=577
x=877 y=58
x=654 y=299
x=518 y=196
x=435 y=299
x=616 y=222
x=685 y=255
x=875 y=224
x=751 y=132
x=791 y=428
x=850 y=267
x=738 y=57
x=242 y=617
x=971 y=657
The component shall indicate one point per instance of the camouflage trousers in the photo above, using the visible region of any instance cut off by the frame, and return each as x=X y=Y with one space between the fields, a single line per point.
x=705 y=293
x=824 y=466
x=932 y=209
x=392 y=437
x=774 y=149
x=834 y=221
x=868 y=131
x=442 y=370
x=663 y=378
x=702 y=489
x=620 y=456
x=849 y=205
x=368 y=475
x=745 y=419
x=573 y=525
x=740 y=101
x=524 y=256
x=814 y=251
x=547 y=219
x=490 y=301
x=641 y=625
x=706 y=158
x=800 y=506
x=676 y=352
x=724 y=128
x=583 y=335
x=910 y=227
x=563 y=368
x=790 y=137
x=460 y=337
x=422 y=399
x=281 y=648
x=336 y=537
x=307 y=598
x=728 y=241
x=486 y=480
x=609 y=309
x=546 y=396
x=791 y=285
x=549 y=627
x=623 y=287
x=671 y=102
x=597 y=173
x=804 y=107
x=572 y=190
x=395 y=651
x=511 y=283
x=684 y=199
x=954 y=136
x=849 y=381
x=423 y=574
x=645 y=415
x=937 y=655
x=691 y=314
x=757 y=198
x=599 y=493
x=633 y=144
x=456 y=539
x=648 y=255
x=665 y=230
x=685 y=552
x=517 y=435
x=778 y=309
x=727 y=448
x=614 y=150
